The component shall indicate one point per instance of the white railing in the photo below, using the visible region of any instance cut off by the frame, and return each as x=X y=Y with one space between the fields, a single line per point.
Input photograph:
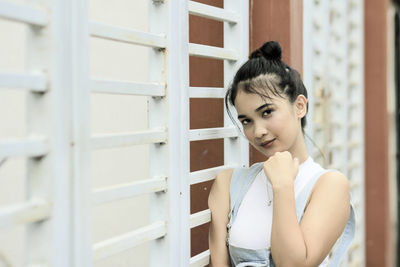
x=32 y=82
x=119 y=34
x=127 y=88
x=333 y=71
x=59 y=143
x=23 y=13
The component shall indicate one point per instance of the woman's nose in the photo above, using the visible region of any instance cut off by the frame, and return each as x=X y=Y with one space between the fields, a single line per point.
x=260 y=130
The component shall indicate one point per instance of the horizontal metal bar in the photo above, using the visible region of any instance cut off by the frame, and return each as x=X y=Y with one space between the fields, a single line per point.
x=354 y=144
x=100 y=141
x=200 y=260
x=210 y=12
x=207 y=174
x=115 y=33
x=212 y=133
x=353 y=165
x=354 y=184
x=32 y=211
x=33 y=82
x=23 y=13
x=353 y=125
x=127 y=88
x=212 y=52
x=354 y=246
x=126 y=241
x=31 y=147
x=206 y=92
x=335 y=146
x=121 y=191
x=200 y=218
x=356 y=262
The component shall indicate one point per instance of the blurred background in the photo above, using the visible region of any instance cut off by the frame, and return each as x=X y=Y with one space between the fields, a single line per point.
x=112 y=123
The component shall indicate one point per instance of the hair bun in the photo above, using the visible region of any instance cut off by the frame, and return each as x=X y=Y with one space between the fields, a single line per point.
x=270 y=50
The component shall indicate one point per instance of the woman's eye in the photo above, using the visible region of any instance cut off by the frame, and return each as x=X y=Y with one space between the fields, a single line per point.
x=267 y=112
x=245 y=122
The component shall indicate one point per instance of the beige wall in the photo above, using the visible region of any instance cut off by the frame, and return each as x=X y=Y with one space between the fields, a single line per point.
x=109 y=114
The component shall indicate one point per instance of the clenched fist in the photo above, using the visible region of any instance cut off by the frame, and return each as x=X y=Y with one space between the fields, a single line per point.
x=281 y=169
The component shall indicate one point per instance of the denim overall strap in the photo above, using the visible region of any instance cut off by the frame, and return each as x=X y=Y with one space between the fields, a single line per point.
x=241 y=180
x=348 y=233
x=302 y=198
x=345 y=239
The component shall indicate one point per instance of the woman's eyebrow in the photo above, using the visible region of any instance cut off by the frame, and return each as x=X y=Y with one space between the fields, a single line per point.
x=241 y=116
x=263 y=106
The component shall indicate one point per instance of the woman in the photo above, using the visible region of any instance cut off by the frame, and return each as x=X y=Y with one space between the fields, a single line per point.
x=287 y=211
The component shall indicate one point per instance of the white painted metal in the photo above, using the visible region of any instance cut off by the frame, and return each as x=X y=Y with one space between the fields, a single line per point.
x=105 y=31
x=234 y=53
x=59 y=85
x=121 y=191
x=23 y=13
x=32 y=82
x=211 y=12
x=81 y=133
x=171 y=67
x=48 y=116
x=29 y=212
x=200 y=218
x=127 y=87
x=212 y=52
x=200 y=260
x=208 y=174
x=213 y=133
x=32 y=147
x=333 y=71
x=100 y=141
x=126 y=241
x=206 y=92
x=236 y=37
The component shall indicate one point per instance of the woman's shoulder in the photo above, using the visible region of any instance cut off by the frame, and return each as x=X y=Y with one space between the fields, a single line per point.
x=329 y=177
x=334 y=178
x=332 y=182
x=222 y=180
x=220 y=187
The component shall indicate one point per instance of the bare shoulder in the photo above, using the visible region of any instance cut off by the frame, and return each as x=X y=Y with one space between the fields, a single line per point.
x=333 y=180
x=333 y=187
x=220 y=188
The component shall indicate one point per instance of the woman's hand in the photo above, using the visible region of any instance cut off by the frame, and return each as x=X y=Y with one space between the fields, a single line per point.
x=281 y=169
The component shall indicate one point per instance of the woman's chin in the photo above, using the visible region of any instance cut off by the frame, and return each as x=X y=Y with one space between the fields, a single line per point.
x=268 y=152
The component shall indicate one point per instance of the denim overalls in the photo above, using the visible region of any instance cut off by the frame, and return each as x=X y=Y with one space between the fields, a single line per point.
x=241 y=180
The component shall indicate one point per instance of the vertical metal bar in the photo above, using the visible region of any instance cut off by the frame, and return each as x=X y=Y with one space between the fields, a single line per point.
x=360 y=118
x=356 y=113
x=158 y=165
x=80 y=79
x=39 y=171
x=307 y=68
x=49 y=242
x=172 y=111
x=236 y=36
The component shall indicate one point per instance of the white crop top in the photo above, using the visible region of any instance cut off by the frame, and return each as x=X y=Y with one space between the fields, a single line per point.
x=252 y=226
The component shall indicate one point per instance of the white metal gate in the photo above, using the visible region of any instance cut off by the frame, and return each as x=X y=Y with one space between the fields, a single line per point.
x=59 y=203
x=334 y=69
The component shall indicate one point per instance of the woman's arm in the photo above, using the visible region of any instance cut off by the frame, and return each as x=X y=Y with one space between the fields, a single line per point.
x=218 y=202
x=326 y=214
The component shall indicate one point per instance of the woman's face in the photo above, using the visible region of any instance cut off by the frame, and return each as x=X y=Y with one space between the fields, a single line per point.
x=271 y=124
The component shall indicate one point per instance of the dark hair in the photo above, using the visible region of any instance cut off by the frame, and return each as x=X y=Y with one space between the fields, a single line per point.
x=265 y=73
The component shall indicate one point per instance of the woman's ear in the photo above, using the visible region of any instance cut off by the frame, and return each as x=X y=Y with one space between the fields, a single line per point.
x=301 y=106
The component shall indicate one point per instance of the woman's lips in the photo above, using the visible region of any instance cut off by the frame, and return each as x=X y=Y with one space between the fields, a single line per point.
x=268 y=143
